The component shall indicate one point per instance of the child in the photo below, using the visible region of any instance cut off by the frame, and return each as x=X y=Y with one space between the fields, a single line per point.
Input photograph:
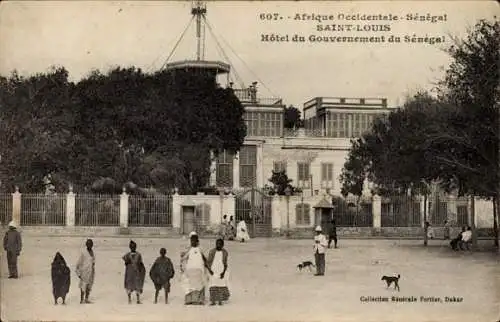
x=161 y=272
x=217 y=261
x=134 y=272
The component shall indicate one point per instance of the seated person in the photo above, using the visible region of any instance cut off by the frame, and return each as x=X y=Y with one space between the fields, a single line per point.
x=466 y=239
x=454 y=242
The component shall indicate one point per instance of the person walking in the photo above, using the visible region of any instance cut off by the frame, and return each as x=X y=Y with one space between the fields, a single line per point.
x=85 y=270
x=135 y=272
x=194 y=273
x=332 y=234
x=12 y=244
x=161 y=273
x=320 y=245
x=217 y=261
x=61 y=278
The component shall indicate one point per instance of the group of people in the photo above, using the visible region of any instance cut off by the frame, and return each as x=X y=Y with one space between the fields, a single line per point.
x=229 y=232
x=197 y=272
x=463 y=240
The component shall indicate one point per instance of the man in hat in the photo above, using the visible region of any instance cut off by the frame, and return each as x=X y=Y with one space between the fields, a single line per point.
x=320 y=245
x=12 y=244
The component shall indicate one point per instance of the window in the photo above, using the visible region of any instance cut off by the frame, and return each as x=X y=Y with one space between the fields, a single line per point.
x=327 y=175
x=248 y=166
x=303 y=175
x=264 y=123
x=202 y=213
x=224 y=175
x=303 y=214
x=462 y=215
x=280 y=166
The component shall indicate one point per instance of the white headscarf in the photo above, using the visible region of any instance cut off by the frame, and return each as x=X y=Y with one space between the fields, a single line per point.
x=318 y=228
x=193 y=233
x=12 y=224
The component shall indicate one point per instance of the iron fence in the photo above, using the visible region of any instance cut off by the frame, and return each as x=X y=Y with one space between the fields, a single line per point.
x=43 y=210
x=401 y=211
x=352 y=212
x=5 y=208
x=150 y=211
x=97 y=210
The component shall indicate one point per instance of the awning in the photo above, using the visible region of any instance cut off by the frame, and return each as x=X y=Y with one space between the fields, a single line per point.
x=324 y=203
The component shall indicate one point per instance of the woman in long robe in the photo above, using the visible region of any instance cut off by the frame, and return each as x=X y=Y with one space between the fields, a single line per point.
x=135 y=272
x=61 y=278
x=217 y=261
x=242 y=232
x=194 y=275
x=85 y=269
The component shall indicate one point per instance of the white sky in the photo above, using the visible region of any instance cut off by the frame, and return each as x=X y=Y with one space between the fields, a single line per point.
x=86 y=35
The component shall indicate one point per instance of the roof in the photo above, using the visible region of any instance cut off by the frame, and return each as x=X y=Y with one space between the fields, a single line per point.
x=188 y=202
x=324 y=203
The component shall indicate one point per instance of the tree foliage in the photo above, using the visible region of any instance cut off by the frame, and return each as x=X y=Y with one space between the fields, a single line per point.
x=281 y=182
x=148 y=129
x=292 y=118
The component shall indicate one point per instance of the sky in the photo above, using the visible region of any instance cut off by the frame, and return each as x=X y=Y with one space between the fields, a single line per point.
x=88 y=35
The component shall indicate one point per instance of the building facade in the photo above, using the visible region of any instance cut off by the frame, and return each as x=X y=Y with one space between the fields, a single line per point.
x=312 y=156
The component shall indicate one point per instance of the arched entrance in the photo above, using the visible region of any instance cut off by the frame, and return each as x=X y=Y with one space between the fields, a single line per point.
x=254 y=206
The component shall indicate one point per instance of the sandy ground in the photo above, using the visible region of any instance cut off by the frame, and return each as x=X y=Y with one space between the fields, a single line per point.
x=265 y=284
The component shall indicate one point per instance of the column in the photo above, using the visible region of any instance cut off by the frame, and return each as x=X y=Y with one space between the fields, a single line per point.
x=213 y=170
x=16 y=207
x=260 y=166
x=176 y=210
x=377 y=211
x=452 y=209
x=124 y=209
x=275 y=213
x=236 y=171
x=70 y=208
x=423 y=206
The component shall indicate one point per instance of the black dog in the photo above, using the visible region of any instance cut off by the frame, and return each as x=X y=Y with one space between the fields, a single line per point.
x=392 y=279
x=305 y=264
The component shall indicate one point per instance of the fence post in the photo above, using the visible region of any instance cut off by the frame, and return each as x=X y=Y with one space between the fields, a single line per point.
x=377 y=211
x=451 y=214
x=423 y=209
x=124 y=209
x=70 y=208
x=236 y=171
x=213 y=169
x=275 y=213
x=176 y=210
x=16 y=207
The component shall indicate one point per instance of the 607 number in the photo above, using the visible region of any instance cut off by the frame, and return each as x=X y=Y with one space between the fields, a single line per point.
x=269 y=16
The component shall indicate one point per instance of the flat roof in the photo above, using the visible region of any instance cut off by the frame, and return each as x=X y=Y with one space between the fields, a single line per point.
x=215 y=66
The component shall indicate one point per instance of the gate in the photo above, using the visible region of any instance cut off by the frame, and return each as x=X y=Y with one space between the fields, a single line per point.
x=254 y=207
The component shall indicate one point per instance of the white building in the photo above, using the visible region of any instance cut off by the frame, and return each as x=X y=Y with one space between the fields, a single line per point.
x=313 y=157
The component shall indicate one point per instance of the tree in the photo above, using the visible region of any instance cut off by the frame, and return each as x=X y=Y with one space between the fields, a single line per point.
x=292 y=118
x=124 y=125
x=281 y=182
x=394 y=155
x=472 y=84
x=35 y=127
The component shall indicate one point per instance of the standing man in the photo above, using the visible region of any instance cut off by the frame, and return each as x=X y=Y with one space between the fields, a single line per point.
x=12 y=244
x=332 y=234
x=85 y=270
x=320 y=244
